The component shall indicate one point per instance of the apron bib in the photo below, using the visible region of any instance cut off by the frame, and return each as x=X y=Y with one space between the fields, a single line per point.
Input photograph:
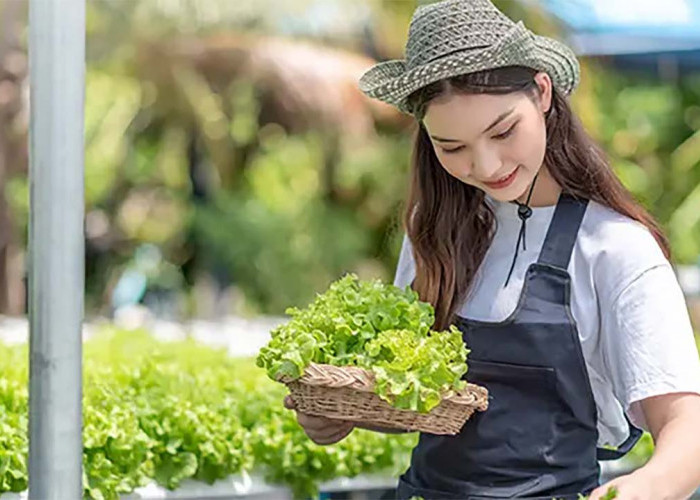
x=538 y=437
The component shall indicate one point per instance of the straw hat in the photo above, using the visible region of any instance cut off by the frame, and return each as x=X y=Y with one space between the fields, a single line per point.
x=454 y=37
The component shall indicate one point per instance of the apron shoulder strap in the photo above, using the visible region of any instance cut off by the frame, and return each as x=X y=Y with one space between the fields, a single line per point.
x=562 y=232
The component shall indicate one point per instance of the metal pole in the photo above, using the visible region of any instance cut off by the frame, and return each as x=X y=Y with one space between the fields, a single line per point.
x=56 y=247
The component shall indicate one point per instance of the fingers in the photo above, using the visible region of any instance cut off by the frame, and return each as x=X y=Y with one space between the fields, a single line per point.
x=289 y=403
x=317 y=424
x=604 y=491
x=321 y=430
x=341 y=433
x=311 y=422
x=331 y=433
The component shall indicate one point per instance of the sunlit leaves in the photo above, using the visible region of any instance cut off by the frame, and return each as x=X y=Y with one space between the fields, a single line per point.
x=378 y=327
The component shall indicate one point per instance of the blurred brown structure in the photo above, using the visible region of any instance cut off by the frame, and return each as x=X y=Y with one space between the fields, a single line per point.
x=13 y=150
x=299 y=86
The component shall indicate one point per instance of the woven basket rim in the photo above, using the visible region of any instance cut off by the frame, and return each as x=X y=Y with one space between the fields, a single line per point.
x=360 y=379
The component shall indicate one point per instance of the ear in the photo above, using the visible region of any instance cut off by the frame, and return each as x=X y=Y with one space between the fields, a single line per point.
x=544 y=83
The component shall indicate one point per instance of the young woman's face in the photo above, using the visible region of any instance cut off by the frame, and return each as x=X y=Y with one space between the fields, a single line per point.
x=493 y=142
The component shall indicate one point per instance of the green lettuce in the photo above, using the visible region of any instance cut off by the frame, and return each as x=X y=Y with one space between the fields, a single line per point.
x=378 y=327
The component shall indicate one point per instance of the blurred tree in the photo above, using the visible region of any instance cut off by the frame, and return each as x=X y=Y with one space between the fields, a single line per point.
x=233 y=137
x=13 y=153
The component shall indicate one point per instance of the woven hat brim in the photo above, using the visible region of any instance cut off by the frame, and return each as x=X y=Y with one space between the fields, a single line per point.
x=560 y=62
x=392 y=82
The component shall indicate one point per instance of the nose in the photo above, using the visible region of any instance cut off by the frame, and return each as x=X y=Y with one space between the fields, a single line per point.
x=485 y=163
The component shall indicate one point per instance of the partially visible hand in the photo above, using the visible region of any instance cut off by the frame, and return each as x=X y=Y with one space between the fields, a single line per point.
x=321 y=430
x=635 y=486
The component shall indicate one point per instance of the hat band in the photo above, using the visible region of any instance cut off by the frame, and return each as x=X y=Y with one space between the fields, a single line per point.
x=455 y=51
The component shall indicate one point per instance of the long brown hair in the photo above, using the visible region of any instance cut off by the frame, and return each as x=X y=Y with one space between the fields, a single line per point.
x=448 y=222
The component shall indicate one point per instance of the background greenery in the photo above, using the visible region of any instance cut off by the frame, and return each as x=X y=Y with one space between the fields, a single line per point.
x=164 y=412
x=228 y=147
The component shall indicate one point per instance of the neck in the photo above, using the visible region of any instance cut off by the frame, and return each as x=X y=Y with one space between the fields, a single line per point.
x=546 y=191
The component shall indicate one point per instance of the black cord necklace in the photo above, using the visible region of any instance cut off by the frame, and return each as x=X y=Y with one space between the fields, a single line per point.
x=524 y=213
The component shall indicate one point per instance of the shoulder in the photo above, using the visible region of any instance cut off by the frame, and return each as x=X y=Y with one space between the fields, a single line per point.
x=617 y=249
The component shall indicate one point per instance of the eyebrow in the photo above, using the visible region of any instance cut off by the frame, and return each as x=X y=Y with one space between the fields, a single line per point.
x=498 y=120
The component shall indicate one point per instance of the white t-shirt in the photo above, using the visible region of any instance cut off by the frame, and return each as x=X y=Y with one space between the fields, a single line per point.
x=631 y=314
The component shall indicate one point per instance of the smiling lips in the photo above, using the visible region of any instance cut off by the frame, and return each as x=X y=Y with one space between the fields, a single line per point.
x=503 y=182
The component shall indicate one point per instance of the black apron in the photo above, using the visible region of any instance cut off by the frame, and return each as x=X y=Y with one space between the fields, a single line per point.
x=538 y=437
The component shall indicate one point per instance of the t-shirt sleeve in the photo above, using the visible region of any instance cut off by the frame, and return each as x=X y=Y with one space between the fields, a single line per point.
x=405 y=268
x=648 y=342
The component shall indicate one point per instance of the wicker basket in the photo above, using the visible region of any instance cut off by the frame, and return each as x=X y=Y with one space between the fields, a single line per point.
x=346 y=393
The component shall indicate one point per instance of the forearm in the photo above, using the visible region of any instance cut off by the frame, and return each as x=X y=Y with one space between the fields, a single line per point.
x=675 y=464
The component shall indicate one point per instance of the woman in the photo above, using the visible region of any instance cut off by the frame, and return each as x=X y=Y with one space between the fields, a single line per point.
x=518 y=232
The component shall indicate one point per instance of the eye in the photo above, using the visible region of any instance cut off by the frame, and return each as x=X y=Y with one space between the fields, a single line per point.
x=454 y=150
x=505 y=134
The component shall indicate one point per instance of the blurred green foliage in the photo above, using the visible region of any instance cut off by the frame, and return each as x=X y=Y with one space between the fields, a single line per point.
x=195 y=163
x=652 y=133
x=167 y=411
